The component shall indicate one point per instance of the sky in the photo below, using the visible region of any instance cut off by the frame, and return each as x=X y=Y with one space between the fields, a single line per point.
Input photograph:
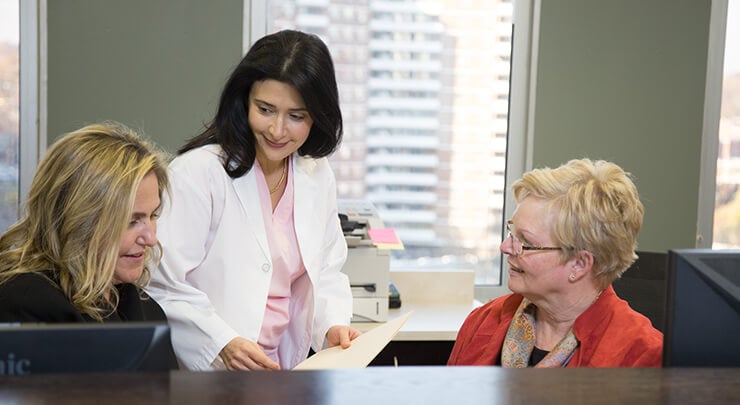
x=9 y=28
x=732 y=39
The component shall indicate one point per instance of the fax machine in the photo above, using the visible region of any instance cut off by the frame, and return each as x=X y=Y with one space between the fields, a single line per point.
x=367 y=267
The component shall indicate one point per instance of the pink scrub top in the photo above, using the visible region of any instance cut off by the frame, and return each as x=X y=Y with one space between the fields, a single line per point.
x=287 y=262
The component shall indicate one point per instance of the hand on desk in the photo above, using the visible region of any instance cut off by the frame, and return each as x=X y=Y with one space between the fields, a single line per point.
x=341 y=335
x=243 y=354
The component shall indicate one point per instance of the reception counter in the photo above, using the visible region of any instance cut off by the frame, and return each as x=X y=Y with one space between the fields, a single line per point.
x=384 y=385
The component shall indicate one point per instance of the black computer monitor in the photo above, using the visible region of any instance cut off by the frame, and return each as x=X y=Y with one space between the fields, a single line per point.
x=703 y=309
x=70 y=348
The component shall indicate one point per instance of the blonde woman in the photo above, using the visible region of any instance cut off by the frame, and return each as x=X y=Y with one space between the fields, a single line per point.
x=573 y=233
x=80 y=252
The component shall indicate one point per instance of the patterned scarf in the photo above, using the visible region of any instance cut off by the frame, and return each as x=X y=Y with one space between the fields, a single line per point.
x=520 y=337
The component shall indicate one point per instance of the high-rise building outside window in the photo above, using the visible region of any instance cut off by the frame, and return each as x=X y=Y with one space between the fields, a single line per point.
x=424 y=88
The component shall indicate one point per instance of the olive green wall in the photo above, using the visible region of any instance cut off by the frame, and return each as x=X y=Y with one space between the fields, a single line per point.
x=624 y=81
x=155 y=65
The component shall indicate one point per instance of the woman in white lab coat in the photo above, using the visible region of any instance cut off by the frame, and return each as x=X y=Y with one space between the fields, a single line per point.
x=251 y=275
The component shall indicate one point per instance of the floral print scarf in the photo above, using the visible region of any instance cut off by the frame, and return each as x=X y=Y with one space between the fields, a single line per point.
x=520 y=337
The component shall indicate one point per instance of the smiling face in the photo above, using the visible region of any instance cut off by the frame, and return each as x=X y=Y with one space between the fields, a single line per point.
x=534 y=273
x=140 y=233
x=279 y=120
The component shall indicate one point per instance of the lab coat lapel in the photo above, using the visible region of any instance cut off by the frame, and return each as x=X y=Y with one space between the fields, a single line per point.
x=246 y=190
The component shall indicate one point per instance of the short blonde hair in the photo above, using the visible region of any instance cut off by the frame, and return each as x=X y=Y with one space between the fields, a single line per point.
x=596 y=207
x=77 y=209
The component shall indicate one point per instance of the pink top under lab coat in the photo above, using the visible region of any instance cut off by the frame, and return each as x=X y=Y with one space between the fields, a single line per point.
x=286 y=260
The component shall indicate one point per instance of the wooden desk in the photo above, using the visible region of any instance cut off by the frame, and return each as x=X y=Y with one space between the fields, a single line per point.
x=379 y=385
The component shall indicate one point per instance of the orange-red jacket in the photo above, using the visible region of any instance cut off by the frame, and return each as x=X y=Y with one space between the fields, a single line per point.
x=611 y=334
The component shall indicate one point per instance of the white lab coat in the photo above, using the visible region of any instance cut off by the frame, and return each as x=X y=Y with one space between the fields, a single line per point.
x=215 y=273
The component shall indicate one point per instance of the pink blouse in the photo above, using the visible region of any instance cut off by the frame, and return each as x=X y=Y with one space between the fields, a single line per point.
x=287 y=263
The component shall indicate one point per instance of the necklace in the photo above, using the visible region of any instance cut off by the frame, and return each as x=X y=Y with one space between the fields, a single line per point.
x=282 y=177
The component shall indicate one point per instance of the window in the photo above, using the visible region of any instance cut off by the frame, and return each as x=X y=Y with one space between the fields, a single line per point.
x=9 y=111
x=424 y=88
x=727 y=198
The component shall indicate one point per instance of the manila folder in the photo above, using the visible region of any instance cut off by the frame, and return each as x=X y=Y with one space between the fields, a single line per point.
x=363 y=350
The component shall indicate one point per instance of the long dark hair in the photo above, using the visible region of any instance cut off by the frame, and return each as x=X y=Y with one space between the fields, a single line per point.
x=299 y=59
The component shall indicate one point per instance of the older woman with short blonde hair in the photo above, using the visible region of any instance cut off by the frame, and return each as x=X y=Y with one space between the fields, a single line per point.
x=573 y=233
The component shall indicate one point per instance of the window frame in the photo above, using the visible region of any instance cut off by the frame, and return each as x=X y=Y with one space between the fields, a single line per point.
x=33 y=118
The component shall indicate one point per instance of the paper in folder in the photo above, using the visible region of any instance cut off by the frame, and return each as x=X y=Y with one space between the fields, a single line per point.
x=363 y=350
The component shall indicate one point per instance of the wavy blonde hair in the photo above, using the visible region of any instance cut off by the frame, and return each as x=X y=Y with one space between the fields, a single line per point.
x=596 y=207
x=78 y=207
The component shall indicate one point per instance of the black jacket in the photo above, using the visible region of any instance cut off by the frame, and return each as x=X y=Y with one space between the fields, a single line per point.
x=33 y=298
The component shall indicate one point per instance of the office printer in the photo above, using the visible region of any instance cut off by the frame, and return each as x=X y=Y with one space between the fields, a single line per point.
x=367 y=267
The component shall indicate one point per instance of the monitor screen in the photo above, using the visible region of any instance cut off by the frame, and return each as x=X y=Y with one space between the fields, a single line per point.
x=702 y=308
x=69 y=348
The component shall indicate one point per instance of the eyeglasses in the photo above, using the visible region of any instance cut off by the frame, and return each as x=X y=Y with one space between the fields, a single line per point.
x=519 y=246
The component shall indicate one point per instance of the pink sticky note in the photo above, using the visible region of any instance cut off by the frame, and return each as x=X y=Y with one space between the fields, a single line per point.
x=383 y=235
